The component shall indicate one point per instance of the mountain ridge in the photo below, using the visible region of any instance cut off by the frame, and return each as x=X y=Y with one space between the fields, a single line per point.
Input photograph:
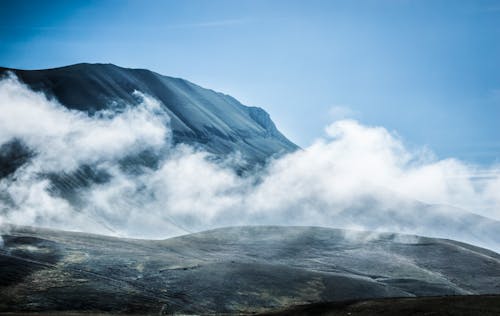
x=199 y=116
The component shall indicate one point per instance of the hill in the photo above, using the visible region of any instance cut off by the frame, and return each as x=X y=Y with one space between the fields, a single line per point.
x=233 y=270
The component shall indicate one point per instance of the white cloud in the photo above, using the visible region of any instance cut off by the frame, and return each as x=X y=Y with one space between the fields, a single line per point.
x=358 y=177
x=64 y=139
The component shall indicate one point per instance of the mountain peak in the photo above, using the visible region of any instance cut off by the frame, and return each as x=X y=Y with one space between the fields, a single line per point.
x=198 y=116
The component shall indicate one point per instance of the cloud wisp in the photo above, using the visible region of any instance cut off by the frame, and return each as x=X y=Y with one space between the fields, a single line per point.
x=356 y=177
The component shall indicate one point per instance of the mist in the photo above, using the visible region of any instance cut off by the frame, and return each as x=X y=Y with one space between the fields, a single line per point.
x=354 y=177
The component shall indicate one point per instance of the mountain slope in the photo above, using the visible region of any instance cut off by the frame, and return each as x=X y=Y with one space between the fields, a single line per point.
x=215 y=121
x=232 y=270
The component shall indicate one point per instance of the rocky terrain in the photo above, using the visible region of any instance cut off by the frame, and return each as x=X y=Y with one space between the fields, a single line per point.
x=232 y=270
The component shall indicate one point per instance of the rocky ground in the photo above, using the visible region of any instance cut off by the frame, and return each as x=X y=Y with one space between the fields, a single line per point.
x=240 y=270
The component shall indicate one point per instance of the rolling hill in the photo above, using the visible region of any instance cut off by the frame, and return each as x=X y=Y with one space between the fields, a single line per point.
x=232 y=270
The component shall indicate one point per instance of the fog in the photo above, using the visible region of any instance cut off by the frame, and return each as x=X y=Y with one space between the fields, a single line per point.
x=355 y=176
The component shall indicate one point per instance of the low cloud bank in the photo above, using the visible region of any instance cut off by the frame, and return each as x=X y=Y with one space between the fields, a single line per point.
x=357 y=177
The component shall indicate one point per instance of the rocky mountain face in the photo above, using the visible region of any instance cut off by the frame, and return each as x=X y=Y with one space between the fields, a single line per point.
x=201 y=117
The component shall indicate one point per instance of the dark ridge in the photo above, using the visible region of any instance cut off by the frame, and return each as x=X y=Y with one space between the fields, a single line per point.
x=464 y=305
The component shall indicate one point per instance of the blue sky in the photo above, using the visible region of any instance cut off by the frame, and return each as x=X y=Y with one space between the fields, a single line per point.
x=429 y=70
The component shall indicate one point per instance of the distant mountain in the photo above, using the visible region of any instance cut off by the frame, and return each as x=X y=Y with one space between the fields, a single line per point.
x=215 y=121
x=240 y=270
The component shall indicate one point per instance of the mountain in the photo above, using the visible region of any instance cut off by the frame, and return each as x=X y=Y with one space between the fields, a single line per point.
x=200 y=117
x=214 y=121
x=232 y=270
